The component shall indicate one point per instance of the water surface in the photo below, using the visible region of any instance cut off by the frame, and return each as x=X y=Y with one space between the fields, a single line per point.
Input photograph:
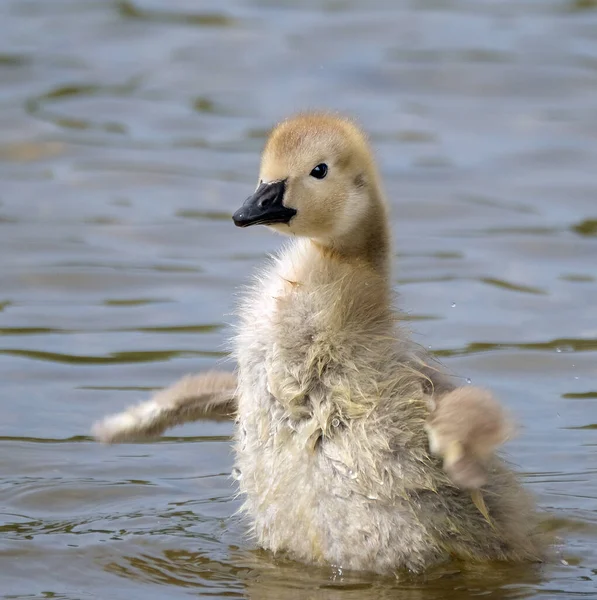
x=131 y=129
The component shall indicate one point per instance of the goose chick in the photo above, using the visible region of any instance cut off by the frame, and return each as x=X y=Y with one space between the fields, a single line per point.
x=332 y=395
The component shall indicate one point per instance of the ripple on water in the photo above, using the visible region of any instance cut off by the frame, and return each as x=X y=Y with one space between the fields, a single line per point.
x=137 y=10
x=587 y=228
x=113 y=358
x=558 y=345
x=131 y=130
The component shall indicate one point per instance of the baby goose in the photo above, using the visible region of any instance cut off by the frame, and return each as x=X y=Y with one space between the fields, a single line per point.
x=334 y=402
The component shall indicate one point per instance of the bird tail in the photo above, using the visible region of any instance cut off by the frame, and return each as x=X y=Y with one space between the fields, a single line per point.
x=189 y=399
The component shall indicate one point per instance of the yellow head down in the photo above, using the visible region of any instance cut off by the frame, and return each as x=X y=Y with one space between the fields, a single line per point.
x=317 y=179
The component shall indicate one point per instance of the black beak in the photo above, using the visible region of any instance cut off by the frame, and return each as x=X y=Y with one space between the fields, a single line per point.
x=264 y=207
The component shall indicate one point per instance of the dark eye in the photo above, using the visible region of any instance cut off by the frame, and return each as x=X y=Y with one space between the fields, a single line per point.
x=320 y=171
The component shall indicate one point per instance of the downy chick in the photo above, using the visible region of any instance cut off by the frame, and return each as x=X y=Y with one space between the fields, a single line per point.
x=333 y=397
x=334 y=402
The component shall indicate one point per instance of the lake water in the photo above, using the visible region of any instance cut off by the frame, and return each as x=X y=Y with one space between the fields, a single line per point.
x=129 y=132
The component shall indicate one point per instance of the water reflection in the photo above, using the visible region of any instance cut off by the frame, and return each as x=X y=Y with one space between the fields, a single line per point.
x=257 y=575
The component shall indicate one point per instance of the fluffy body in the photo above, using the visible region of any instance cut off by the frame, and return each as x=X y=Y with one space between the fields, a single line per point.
x=335 y=464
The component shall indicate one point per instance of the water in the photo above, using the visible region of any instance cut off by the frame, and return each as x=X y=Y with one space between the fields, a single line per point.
x=129 y=133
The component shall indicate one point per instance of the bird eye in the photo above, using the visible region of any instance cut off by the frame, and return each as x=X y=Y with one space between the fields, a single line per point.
x=320 y=171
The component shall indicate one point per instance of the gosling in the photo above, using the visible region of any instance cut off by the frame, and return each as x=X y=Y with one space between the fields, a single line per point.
x=354 y=449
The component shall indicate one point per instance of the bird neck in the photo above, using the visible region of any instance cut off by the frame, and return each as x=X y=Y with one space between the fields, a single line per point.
x=369 y=241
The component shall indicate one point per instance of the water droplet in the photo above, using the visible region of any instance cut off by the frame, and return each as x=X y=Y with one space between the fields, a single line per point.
x=335 y=422
x=558 y=349
x=372 y=496
x=337 y=573
x=344 y=470
x=576 y=377
x=429 y=346
x=453 y=304
x=469 y=380
x=236 y=474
